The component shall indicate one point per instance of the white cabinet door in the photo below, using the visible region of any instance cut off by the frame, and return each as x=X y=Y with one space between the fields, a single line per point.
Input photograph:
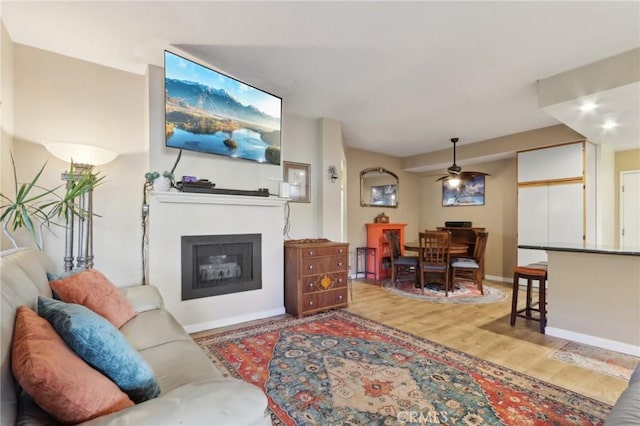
x=549 y=214
x=533 y=222
x=533 y=215
x=558 y=162
x=566 y=218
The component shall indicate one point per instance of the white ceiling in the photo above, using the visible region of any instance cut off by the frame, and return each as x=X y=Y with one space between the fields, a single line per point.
x=402 y=77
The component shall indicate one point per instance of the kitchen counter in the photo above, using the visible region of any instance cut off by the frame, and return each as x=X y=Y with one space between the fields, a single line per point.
x=583 y=248
x=593 y=295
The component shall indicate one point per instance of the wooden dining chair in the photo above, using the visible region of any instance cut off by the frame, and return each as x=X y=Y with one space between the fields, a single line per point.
x=399 y=263
x=471 y=268
x=434 y=256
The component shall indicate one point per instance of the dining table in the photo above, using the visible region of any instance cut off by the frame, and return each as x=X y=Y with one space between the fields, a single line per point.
x=455 y=249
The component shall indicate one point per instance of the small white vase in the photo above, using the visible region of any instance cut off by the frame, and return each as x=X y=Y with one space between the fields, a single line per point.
x=162 y=184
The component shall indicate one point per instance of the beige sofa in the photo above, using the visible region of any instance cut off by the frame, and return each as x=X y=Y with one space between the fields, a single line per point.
x=626 y=411
x=193 y=390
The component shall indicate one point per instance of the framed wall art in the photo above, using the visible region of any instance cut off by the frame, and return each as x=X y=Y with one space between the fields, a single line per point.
x=384 y=195
x=469 y=193
x=298 y=177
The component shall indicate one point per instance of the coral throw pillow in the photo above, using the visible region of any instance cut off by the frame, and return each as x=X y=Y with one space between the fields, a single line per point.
x=93 y=290
x=102 y=346
x=55 y=377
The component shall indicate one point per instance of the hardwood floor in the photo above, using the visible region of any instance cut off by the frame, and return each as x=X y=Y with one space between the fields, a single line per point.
x=482 y=331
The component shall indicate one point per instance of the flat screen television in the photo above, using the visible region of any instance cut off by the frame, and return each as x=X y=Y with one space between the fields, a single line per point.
x=207 y=111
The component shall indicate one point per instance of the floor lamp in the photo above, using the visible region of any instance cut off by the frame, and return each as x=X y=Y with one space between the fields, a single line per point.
x=84 y=158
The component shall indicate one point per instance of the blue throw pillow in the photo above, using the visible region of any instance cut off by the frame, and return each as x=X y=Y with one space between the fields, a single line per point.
x=101 y=345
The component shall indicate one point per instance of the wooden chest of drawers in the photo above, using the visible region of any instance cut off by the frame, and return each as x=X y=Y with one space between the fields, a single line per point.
x=315 y=277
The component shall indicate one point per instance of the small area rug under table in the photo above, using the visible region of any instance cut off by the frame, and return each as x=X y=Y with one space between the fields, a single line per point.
x=340 y=368
x=464 y=292
x=592 y=358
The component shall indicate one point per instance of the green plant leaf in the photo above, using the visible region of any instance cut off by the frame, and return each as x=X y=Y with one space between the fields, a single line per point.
x=31 y=208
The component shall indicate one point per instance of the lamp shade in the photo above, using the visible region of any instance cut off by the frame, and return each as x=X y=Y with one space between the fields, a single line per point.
x=81 y=153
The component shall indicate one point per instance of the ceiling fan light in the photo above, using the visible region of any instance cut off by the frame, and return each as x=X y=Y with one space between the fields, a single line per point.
x=454 y=182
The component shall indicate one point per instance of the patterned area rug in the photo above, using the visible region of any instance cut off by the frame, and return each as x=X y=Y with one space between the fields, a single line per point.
x=597 y=359
x=339 y=368
x=463 y=292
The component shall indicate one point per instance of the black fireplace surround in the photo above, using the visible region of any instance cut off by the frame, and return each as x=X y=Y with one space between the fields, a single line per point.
x=220 y=264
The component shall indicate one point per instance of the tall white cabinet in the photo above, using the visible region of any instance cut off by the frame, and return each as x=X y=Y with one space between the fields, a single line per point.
x=556 y=197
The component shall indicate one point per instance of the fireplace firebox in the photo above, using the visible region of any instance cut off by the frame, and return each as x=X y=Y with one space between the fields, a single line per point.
x=220 y=264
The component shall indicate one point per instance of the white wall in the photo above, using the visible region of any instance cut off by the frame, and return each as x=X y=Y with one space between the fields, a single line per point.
x=116 y=231
x=6 y=117
x=606 y=196
x=333 y=193
x=300 y=145
x=61 y=98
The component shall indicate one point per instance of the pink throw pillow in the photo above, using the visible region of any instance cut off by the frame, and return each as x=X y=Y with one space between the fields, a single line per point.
x=93 y=290
x=56 y=378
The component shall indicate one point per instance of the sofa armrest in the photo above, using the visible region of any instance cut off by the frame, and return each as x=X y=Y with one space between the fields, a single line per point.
x=143 y=297
x=213 y=402
x=626 y=411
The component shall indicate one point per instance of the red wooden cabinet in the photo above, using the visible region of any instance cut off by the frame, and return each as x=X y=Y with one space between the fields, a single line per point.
x=377 y=239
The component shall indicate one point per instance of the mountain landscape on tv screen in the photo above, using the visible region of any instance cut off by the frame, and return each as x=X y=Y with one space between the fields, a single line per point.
x=211 y=120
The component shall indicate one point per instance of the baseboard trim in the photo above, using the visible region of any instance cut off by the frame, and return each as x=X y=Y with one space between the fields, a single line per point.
x=593 y=341
x=209 y=325
x=499 y=279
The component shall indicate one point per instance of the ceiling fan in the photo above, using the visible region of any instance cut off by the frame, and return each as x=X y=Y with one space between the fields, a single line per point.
x=456 y=176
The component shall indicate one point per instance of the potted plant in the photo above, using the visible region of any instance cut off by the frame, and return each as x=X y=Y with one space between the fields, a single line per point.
x=34 y=206
x=159 y=182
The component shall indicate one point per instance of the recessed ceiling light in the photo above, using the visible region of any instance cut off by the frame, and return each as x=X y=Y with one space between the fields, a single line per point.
x=588 y=106
x=609 y=124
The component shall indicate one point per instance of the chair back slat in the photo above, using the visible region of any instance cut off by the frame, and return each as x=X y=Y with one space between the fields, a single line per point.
x=434 y=247
x=481 y=244
x=393 y=236
x=434 y=256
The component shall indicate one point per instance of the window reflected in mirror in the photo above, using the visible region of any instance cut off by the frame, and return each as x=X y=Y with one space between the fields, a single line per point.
x=378 y=188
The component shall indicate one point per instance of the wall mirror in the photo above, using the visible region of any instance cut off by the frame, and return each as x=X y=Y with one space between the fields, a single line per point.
x=378 y=187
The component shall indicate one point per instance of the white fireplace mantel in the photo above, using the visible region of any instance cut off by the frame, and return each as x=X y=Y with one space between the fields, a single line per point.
x=173 y=215
x=204 y=198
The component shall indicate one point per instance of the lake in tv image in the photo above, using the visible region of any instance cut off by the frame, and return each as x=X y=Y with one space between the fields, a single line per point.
x=210 y=112
x=248 y=144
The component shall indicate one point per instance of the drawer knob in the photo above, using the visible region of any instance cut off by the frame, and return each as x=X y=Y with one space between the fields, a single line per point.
x=341 y=250
x=310 y=266
x=339 y=280
x=339 y=263
x=310 y=302
x=310 y=285
x=339 y=297
x=311 y=253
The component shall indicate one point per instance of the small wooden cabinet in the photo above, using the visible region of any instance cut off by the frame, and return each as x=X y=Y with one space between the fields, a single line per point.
x=377 y=239
x=463 y=235
x=315 y=277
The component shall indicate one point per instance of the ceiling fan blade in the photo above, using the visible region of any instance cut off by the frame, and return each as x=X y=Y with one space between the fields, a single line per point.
x=473 y=174
x=454 y=169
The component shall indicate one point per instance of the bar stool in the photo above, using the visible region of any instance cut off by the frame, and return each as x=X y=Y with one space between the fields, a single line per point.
x=532 y=272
